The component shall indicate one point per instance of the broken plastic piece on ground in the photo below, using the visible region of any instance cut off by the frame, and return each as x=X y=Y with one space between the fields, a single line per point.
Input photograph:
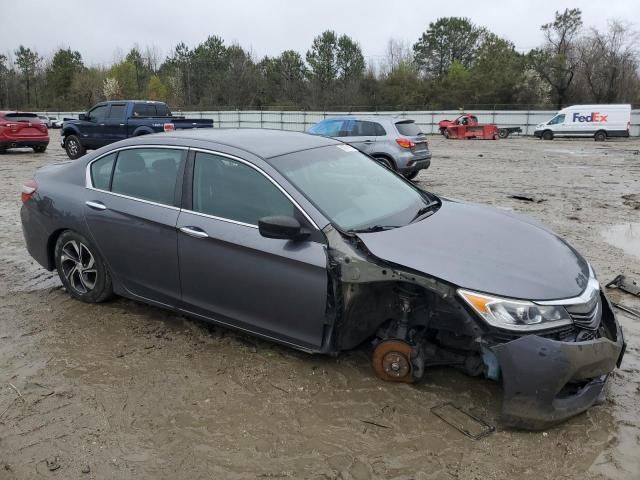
x=629 y=310
x=471 y=426
x=527 y=198
x=625 y=284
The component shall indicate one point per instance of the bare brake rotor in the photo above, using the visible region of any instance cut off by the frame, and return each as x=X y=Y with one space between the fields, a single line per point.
x=392 y=361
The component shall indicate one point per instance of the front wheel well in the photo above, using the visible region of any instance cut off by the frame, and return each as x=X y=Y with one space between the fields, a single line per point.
x=67 y=132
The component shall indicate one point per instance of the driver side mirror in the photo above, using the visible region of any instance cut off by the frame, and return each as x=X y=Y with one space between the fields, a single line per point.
x=83 y=116
x=281 y=227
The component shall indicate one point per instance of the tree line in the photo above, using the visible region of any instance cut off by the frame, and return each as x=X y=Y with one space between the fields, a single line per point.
x=455 y=63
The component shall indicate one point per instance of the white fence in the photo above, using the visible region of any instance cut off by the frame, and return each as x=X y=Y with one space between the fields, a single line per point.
x=428 y=120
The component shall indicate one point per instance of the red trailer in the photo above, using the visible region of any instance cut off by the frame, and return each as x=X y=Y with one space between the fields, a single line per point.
x=467 y=126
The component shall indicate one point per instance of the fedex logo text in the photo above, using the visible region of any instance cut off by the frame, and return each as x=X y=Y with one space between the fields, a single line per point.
x=595 y=117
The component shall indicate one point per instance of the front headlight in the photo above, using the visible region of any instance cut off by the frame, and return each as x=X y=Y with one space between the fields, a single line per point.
x=516 y=314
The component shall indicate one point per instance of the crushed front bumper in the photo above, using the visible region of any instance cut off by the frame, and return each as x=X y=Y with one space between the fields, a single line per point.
x=546 y=381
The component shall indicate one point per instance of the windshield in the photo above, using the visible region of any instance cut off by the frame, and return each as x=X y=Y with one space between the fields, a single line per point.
x=556 y=120
x=352 y=190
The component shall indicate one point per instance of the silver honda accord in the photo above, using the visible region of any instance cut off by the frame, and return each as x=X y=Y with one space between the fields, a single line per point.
x=305 y=241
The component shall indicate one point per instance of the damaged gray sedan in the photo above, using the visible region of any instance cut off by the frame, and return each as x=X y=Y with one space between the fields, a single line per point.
x=306 y=241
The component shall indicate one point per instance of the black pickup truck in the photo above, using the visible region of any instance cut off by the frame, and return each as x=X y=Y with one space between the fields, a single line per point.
x=108 y=122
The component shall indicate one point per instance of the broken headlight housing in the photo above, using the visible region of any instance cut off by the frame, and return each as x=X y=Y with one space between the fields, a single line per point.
x=516 y=314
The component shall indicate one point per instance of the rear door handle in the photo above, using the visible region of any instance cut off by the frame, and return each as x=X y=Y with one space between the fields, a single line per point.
x=96 y=205
x=368 y=141
x=194 y=232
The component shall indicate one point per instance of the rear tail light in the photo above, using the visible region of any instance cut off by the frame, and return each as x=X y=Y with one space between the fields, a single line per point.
x=28 y=189
x=405 y=143
x=43 y=127
x=169 y=127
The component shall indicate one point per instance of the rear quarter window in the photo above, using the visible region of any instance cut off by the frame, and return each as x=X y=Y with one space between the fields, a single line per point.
x=101 y=171
x=410 y=129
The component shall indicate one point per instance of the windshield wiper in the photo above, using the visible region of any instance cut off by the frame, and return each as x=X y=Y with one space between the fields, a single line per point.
x=424 y=210
x=374 y=228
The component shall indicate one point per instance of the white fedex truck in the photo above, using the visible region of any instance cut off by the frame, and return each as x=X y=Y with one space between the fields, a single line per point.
x=597 y=121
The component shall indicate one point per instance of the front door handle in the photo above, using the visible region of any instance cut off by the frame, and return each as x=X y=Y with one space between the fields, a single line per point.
x=194 y=232
x=96 y=205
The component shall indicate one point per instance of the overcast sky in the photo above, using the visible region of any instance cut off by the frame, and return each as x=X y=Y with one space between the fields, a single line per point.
x=98 y=28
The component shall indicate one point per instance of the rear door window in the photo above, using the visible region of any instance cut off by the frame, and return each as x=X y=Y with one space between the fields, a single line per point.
x=226 y=188
x=410 y=129
x=162 y=110
x=144 y=110
x=117 y=112
x=367 y=129
x=148 y=174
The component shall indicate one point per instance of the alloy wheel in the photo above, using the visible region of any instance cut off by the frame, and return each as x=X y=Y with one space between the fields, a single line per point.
x=72 y=145
x=78 y=266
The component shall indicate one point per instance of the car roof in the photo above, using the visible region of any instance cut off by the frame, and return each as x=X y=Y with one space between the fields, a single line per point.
x=371 y=118
x=265 y=143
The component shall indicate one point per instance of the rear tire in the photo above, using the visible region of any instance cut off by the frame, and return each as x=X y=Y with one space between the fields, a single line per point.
x=41 y=149
x=73 y=147
x=547 y=135
x=600 y=136
x=446 y=134
x=386 y=162
x=503 y=133
x=81 y=269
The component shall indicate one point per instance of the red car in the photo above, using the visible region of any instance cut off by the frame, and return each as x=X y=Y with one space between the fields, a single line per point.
x=19 y=129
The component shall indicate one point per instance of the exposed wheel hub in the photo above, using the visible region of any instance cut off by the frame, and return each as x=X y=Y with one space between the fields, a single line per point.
x=392 y=361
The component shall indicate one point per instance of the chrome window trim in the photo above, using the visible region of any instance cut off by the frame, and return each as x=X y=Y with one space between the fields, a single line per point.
x=142 y=200
x=222 y=219
x=266 y=175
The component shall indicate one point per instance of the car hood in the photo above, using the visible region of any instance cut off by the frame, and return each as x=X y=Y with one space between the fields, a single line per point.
x=485 y=249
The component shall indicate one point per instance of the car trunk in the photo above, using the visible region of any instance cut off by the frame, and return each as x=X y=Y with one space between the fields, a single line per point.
x=409 y=130
x=24 y=126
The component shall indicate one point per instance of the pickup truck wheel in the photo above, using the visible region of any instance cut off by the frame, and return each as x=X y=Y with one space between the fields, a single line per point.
x=73 y=147
x=547 y=135
x=503 y=132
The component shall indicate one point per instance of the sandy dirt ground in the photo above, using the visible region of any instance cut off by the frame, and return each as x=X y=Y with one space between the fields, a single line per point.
x=123 y=390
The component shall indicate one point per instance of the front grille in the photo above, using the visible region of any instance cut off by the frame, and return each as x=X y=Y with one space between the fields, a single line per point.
x=568 y=333
x=587 y=315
